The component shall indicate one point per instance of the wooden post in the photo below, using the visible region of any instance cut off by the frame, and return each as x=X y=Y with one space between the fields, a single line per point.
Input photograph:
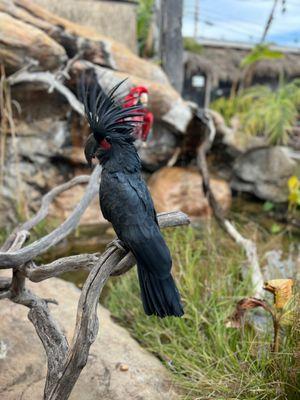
x=171 y=48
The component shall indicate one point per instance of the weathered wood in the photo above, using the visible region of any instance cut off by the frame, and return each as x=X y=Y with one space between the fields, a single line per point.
x=38 y=273
x=43 y=211
x=171 y=46
x=65 y=362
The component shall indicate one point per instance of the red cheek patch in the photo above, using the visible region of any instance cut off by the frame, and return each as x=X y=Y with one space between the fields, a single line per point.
x=105 y=145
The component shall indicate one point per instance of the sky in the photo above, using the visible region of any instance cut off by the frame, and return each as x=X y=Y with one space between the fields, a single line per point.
x=243 y=20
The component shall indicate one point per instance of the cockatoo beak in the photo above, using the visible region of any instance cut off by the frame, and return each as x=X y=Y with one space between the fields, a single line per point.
x=90 y=149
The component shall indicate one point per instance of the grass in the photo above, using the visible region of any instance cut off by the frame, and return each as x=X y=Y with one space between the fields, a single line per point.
x=207 y=359
x=264 y=112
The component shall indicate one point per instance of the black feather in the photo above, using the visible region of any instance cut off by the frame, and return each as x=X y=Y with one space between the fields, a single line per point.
x=104 y=111
x=124 y=197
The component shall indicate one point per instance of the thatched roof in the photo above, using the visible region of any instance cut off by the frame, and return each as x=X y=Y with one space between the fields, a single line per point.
x=222 y=60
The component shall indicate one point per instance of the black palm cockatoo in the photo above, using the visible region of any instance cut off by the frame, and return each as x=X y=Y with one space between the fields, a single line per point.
x=124 y=197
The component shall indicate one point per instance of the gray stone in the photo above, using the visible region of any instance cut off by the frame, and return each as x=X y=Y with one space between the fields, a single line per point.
x=158 y=149
x=23 y=361
x=264 y=172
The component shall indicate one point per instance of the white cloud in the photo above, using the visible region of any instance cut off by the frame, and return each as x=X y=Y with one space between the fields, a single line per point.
x=243 y=20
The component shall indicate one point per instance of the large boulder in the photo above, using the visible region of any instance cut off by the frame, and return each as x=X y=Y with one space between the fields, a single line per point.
x=23 y=361
x=99 y=49
x=158 y=149
x=65 y=203
x=165 y=103
x=264 y=172
x=176 y=188
x=21 y=42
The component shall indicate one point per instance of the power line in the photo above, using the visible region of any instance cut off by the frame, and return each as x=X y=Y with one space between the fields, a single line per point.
x=213 y=22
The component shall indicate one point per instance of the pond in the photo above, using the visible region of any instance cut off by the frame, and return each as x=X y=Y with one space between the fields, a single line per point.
x=247 y=213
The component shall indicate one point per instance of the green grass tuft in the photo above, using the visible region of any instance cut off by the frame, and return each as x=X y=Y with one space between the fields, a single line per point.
x=208 y=360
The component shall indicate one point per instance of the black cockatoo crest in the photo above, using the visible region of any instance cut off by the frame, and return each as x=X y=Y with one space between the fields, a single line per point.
x=108 y=119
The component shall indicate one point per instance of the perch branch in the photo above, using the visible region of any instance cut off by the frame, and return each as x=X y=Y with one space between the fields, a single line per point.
x=247 y=244
x=87 y=324
x=65 y=363
x=16 y=258
x=38 y=273
x=49 y=332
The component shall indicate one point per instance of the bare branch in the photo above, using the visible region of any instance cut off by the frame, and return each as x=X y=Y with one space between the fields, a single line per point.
x=269 y=21
x=37 y=273
x=54 y=341
x=16 y=240
x=50 y=79
x=16 y=258
x=248 y=246
x=63 y=74
x=52 y=338
x=87 y=325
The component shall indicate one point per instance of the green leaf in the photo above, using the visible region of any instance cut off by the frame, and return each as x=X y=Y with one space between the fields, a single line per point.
x=268 y=206
x=260 y=52
x=275 y=228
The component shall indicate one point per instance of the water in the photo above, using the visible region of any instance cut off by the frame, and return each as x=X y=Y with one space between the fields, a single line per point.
x=281 y=250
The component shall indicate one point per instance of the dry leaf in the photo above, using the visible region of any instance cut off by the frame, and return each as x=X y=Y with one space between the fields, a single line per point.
x=281 y=289
x=242 y=306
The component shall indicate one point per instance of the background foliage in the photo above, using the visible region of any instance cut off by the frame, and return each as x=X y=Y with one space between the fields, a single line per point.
x=210 y=360
x=264 y=112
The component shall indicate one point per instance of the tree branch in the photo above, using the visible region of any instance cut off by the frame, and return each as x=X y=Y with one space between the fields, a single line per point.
x=43 y=211
x=15 y=258
x=38 y=273
x=49 y=79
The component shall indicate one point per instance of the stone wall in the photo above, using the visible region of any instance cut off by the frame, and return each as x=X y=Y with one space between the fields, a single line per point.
x=115 y=19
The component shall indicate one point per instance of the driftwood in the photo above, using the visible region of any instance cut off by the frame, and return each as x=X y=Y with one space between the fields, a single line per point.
x=248 y=245
x=65 y=361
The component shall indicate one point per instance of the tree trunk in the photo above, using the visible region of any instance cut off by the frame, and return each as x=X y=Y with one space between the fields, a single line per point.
x=171 y=46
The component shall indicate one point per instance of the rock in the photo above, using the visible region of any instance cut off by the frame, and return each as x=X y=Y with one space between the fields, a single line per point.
x=179 y=188
x=21 y=41
x=158 y=149
x=45 y=151
x=99 y=49
x=28 y=157
x=165 y=103
x=264 y=172
x=29 y=171
x=23 y=361
x=116 y=20
x=65 y=203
